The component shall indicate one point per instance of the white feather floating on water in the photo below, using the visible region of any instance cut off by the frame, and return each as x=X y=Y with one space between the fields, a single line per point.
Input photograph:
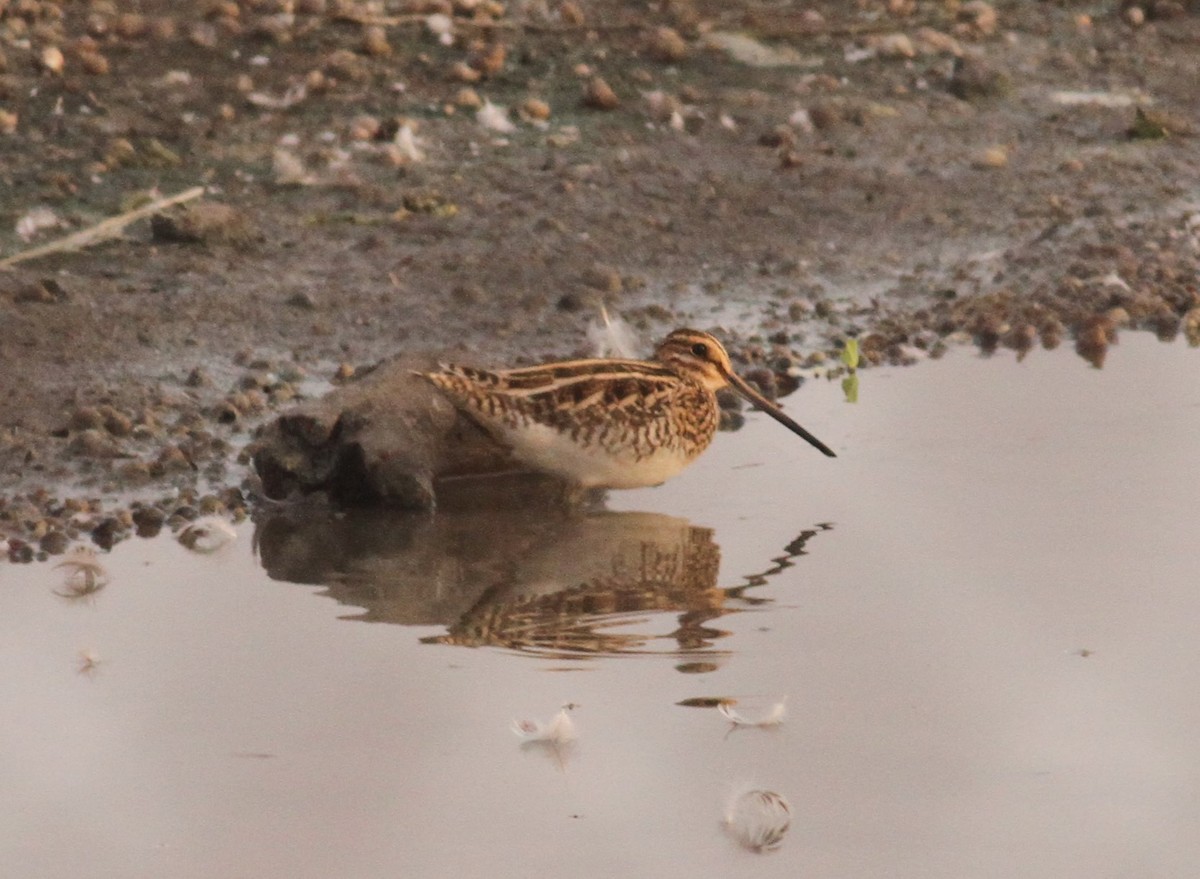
x=558 y=730
x=758 y=819
x=772 y=715
x=207 y=534
x=84 y=573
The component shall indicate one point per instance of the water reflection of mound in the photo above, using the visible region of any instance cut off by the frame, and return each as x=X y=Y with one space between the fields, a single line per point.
x=535 y=580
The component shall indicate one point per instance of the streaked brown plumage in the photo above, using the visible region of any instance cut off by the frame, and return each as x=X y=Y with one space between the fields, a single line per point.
x=608 y=423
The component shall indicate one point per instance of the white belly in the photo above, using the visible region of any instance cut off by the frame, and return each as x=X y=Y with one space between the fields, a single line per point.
x=549 y=451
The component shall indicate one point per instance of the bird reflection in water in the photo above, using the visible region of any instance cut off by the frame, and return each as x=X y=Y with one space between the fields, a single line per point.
x=538 y=580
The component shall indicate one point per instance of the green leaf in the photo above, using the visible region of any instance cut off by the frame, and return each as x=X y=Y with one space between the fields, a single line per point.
x=850 y=354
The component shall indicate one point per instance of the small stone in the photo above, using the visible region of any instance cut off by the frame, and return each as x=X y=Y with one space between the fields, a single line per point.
x=202 y=34
x=603 y=278
x=365 y=127
x=665 y=44
x=375 y=42
x=302 y=301
x=464 y=72
x=1165 y=10
x=1190 y=324
x=19 y=552
x=54 y=542
x=85 y=418
x=468 y=99
x=94 y=63
x=571 y=13
x=131 y=25
x=135 y=473
x=825 y=115
x=163 y=29
x=115 y=422
x=227 y=413
x=895 y=45
x=46 y=291
x=487 y=58
x=534 y=109
x=599 y=95
x=106 y=533
x=993 y=157
x=976 y=18
x=171 y=460
x=974 y=79
x=148 y=521
x=929 y=41
x=205 y=222
x=52 y=60
x=198 y=378
x=92 y=443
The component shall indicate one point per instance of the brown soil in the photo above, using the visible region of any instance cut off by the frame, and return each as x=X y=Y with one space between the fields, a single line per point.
x=919 y=174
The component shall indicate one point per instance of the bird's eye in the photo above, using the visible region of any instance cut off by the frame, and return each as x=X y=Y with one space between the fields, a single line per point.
x=700 y=349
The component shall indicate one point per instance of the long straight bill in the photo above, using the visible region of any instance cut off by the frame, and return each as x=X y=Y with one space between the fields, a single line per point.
x=775 y=412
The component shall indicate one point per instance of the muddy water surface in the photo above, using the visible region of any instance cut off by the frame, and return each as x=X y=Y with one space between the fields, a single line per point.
x=982 y=615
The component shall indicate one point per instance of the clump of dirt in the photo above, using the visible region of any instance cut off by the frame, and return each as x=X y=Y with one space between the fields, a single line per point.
x=473 y=179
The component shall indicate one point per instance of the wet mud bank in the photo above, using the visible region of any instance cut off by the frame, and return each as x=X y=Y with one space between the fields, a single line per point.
x=377 y=182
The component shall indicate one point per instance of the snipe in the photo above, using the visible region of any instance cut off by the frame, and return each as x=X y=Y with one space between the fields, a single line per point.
x=609 y=423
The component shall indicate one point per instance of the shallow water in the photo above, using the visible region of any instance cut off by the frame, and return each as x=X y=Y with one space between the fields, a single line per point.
x=982 y=615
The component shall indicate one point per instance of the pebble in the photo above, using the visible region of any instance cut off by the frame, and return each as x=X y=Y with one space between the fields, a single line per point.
x=204 y=222
x=106 y=533
x=131 y=25
x=665 y=44
x=92 y=443
x=571 y=13
x=170 y=460
x=975 y=79
x=603 y=278
x=94 y=63
x=976 y=19
x=534 y=110
x=487 y=58
x=599 y=95
x=54 y=542
x=19 y=552
x=85 y=418
x=116 y=423
x=52 y=60
x=148 y=521
x=375 y=42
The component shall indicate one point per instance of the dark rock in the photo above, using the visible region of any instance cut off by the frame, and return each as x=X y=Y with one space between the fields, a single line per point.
x=86 y=418
x=54 y=542
x=384 y=439
x=148 y=521
x=106 y=533
x=92 y=443
x=204 y=222
x=302 y=301
x=975 y=79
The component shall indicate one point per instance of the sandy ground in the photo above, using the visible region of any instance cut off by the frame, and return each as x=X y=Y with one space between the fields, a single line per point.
x=913 y=174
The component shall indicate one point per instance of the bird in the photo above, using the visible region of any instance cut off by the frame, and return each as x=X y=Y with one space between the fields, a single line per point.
x=608 y=423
